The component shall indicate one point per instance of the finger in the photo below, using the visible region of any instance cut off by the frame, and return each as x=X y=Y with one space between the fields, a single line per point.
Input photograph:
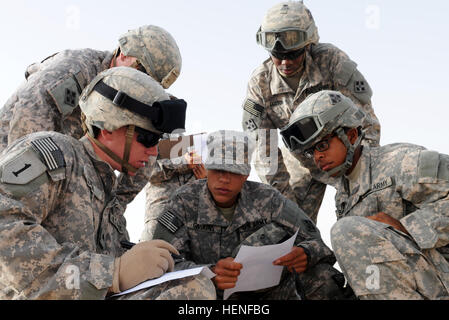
x=227 y=272
x=165 y=245
x=166 y=255
x=229 y=264
x=287 y=259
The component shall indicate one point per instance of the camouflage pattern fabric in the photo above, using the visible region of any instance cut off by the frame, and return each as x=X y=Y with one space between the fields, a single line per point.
x=262 y=217
x=270 y=103
x=410 y=184
x=229 y=151
x=48 y=100
x=60 y=222
x=166 y=177
x=156 y=50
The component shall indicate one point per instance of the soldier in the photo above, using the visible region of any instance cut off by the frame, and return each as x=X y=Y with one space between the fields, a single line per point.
x=211 y=218
x=62 y=231
x=48 y=100
x=167 y=176
x=392 y=203
x=298 y=66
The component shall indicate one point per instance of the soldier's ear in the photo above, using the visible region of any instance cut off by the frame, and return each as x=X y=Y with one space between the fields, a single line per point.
x=353 y=135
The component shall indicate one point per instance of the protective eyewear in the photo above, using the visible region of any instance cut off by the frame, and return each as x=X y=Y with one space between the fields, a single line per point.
x=147 y=138
x=304 y=130
x=291 y=55
x=289 y=38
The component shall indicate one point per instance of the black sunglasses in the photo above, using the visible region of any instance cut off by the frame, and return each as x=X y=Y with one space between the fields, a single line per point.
x=147 y=138
x=291 y=55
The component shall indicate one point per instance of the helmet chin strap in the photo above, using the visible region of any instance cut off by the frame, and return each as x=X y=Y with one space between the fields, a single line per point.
x=126 y=167
x=345 y=166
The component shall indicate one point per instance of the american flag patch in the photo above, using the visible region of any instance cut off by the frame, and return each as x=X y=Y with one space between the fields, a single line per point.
x=170 y=221
x=50 y=153
x=253 y=108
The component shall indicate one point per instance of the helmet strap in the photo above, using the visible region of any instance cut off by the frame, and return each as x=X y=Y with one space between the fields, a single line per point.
x=351 y=148
x=126 y=167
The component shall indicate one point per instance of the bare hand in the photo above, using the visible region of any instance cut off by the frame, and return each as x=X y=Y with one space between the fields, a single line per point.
x=296 y=259
x=194 y=162
x=385 y=218
x=227 y=272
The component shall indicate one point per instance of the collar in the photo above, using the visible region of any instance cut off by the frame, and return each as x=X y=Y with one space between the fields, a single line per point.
x=209 y=214
x=362 y=183
x=103 y=168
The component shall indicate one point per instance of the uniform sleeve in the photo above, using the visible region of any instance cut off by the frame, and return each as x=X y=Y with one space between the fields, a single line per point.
x=34 y=264
x=428 y=194
x=351 y=82
x=33 y=112
x=269 y=162
x=174 y=219
x=292 y=218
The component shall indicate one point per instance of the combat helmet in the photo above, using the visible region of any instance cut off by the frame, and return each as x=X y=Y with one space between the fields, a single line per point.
x=288 y=26
x=322 y=114
x=156 y=50
x=125 y=97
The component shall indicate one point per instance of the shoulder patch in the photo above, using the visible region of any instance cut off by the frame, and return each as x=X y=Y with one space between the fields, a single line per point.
x=66 y=95
x=170 y=221
x=428 y=166
x=50 y=153
x=22 y=168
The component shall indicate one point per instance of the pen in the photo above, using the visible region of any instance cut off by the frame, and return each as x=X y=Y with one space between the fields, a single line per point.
x=128 y=245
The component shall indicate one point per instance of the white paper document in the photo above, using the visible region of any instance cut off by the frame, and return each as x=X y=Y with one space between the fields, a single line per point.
x=258 y=271
x=170 y=276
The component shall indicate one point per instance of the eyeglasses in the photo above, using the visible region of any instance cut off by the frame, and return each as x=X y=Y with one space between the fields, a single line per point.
x=321 y=146
x=147 y=138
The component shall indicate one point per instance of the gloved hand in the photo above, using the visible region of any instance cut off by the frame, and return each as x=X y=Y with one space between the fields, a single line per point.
x=145 y=261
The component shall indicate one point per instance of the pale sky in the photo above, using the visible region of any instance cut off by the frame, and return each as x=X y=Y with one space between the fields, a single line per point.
x=400 y=46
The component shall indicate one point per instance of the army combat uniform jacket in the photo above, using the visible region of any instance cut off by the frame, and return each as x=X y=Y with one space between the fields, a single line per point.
x=270 y=103
x=410 y=184
x=60 y=222
x=262 y=217
x=48 y=101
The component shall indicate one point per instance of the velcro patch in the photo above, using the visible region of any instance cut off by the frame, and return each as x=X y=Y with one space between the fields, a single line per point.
x=50 y=153
x=359 y=86
x=170 y=221
x=22 y=168
x=66 y=95
x=253 y=108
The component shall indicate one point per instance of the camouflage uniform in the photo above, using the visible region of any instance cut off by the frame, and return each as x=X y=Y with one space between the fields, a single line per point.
x=410 y=184
x=270 y=102
x=59 y=218
x=167 y=176
x=48 y=100
x=326 y=67
x=262 y=217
